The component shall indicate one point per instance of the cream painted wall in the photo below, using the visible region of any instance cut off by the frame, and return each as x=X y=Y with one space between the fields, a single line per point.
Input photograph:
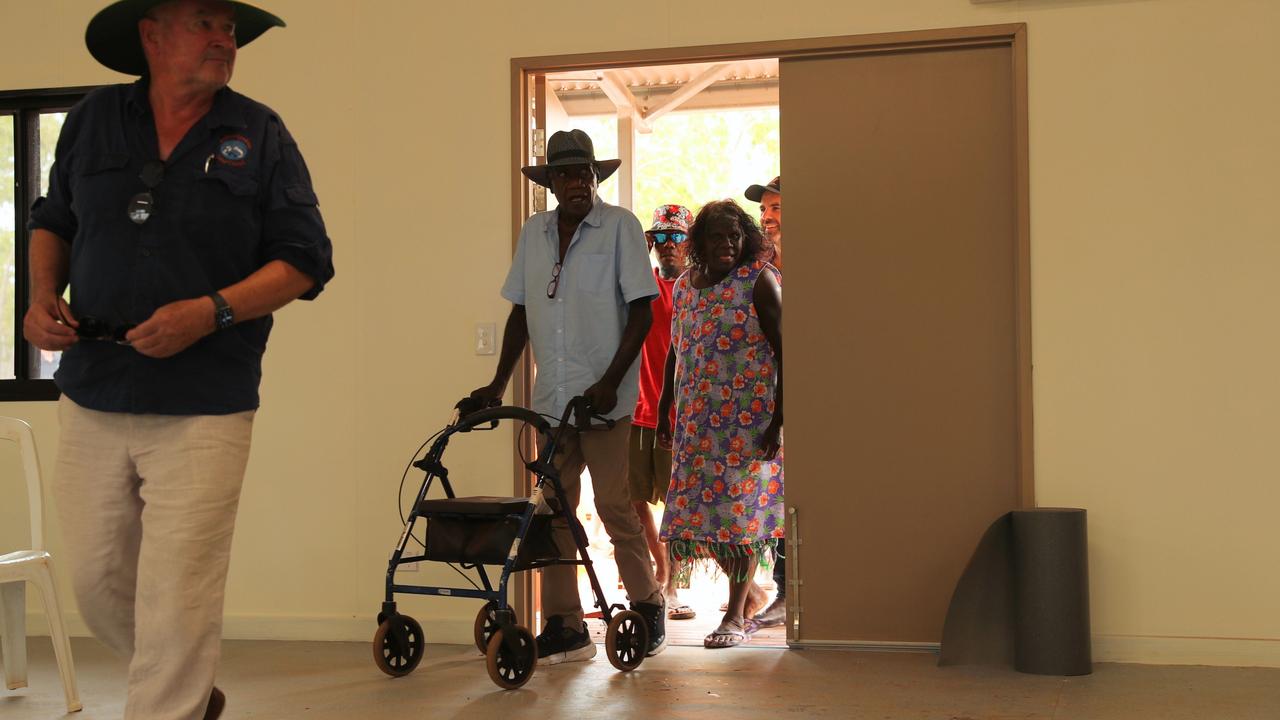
x=1155 y=155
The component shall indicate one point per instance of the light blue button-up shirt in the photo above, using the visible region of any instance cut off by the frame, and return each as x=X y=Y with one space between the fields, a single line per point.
x=576 y=334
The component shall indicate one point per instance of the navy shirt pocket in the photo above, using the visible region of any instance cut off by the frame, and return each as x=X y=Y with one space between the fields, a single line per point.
x=224 y=209
x=104 y=183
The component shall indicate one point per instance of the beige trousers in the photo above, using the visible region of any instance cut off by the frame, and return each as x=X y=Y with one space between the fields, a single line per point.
x=604 y=453
x=148 y=505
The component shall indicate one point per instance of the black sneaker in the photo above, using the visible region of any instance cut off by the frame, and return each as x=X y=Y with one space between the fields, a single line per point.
x=558 y=644
x=655 y=616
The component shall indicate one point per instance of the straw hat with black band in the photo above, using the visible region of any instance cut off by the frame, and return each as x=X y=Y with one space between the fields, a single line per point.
x=112 y=35
x=570 y=147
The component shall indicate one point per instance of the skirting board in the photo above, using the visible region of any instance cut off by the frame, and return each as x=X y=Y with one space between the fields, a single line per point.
x=864 y=646
x=1227 y=652
x=449 y=630
x=1149 y=650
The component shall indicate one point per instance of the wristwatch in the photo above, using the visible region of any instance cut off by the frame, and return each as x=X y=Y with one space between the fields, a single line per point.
x=223 y=317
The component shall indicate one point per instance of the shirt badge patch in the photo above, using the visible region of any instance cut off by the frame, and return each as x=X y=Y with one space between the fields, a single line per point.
x=233 y=150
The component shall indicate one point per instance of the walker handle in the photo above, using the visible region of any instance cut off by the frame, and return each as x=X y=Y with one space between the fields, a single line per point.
x=502 y=412
x=579 y=408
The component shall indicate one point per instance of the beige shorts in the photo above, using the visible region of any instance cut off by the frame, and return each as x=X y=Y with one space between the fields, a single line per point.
x=649 y=471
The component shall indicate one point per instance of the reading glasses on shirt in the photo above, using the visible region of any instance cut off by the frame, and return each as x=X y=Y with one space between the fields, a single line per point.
x=555 y=280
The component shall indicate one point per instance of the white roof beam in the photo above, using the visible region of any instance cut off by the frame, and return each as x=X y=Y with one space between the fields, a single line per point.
x=618 y=92
x=686 y=92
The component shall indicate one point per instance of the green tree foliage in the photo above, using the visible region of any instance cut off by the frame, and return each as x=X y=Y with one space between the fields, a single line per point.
x=691 y=157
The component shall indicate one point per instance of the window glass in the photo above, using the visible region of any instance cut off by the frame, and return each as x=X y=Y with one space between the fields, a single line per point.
x=8 y=237
x=50 y=128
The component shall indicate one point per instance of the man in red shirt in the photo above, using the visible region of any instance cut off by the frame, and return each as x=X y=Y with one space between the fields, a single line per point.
x=650 y=465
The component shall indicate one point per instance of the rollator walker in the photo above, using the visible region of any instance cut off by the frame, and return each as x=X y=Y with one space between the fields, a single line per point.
x=474 y=532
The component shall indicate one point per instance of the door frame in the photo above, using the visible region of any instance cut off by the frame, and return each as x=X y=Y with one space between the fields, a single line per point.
x=527 y=71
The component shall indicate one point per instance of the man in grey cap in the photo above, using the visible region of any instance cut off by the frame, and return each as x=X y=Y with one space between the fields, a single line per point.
x=181 y=215
x=770 y=198
x=580 y=286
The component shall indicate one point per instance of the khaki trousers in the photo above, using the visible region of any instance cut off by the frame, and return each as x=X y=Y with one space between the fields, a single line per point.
x=604 y=453
x=148 y=505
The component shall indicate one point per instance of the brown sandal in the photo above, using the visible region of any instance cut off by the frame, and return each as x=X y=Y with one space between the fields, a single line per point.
x=680 y=612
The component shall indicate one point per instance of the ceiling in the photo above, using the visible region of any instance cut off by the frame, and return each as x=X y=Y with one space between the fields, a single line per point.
x=652 y=91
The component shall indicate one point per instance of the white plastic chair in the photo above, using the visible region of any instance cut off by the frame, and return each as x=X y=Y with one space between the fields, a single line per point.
x=19 y=568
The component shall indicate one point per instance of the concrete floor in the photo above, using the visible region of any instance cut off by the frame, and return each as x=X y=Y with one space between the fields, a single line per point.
x=324 y=681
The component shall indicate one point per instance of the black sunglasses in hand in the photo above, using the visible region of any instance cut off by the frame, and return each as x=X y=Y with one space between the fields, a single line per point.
x=92 y=328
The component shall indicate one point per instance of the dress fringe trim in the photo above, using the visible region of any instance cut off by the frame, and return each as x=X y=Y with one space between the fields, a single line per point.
x=686 y=553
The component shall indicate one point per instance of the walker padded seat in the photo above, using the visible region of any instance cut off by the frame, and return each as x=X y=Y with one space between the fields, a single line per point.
x=480 y=529
x=475 y=505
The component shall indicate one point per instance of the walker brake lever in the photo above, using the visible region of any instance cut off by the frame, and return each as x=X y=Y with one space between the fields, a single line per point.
x=469 y=405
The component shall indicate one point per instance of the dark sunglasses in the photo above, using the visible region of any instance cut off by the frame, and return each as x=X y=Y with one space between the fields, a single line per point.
x=143 y=205
x=662 y=237
x=92 y=328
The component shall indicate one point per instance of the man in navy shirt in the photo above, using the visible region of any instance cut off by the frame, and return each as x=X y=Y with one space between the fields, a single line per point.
x=182 y=215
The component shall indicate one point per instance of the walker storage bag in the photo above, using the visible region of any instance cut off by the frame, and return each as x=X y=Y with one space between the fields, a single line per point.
x=481 y=530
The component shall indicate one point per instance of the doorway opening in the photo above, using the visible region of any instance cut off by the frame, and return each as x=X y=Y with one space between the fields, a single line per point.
x=686 y=134
x=908 y=183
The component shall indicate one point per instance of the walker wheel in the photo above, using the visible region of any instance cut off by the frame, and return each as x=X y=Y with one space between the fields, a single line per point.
x=397 y=654
x=511 y=669
x=627 y=640
x=486 y=625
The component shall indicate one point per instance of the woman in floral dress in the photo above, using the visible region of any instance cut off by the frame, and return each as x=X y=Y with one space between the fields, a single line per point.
x=724 y=373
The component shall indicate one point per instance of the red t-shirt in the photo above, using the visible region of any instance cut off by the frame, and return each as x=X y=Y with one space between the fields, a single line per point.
x=653 y=357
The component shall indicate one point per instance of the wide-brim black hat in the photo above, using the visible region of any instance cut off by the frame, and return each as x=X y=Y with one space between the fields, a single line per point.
x=570 y=147
x=112 y=35
x=756 y=192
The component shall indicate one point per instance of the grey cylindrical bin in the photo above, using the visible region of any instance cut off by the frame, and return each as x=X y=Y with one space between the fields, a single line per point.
x=1051 y=592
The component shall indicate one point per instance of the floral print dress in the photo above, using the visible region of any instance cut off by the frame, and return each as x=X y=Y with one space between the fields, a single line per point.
x=725 y=499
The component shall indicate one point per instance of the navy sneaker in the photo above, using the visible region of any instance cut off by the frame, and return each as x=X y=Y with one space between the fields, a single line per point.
x=655 y=616
x=559 y=644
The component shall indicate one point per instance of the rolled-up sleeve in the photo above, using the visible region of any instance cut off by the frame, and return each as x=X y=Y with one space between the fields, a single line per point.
x=513 y=289
x=635 y=272
x=293 y=230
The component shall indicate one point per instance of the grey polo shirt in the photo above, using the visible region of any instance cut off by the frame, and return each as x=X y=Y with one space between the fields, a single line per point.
x=576 y=334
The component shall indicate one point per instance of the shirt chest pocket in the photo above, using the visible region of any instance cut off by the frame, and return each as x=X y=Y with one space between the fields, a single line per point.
x=103 y=184
x=596 y=276
x=234 y=184
x=224 y=207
